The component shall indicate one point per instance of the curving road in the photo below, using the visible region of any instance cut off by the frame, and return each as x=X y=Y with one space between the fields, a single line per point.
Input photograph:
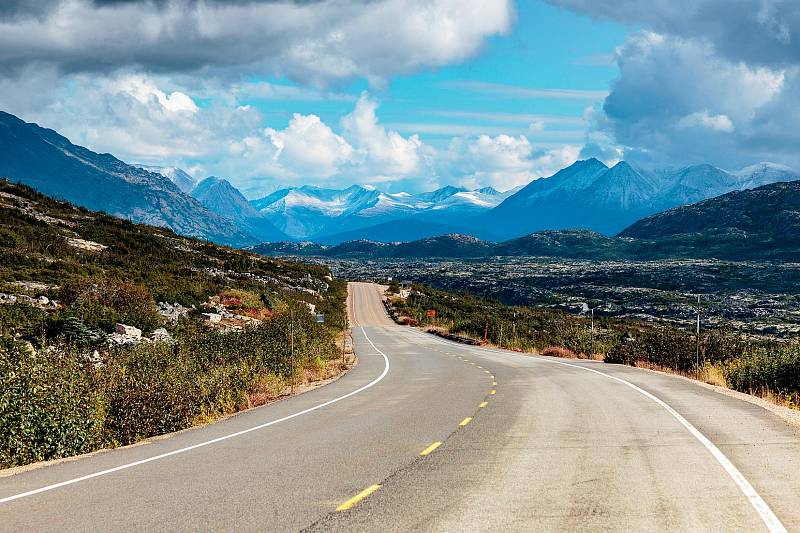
x=559 y=445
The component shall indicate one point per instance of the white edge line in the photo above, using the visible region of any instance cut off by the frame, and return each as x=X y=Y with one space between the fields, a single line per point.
x=208 y=442
x=769 y=518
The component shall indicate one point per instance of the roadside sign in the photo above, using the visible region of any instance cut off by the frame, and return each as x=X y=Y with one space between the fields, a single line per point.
x=320 y=318
x=431 y=313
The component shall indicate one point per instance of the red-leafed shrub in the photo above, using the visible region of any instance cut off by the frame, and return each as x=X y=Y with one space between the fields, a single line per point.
x=558 y=351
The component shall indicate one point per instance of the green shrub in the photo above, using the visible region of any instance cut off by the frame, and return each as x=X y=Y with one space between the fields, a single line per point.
x=48 y=405
x=148 y=390
x=776 y=371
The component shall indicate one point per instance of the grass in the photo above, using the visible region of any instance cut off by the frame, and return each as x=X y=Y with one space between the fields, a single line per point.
x=762 y=367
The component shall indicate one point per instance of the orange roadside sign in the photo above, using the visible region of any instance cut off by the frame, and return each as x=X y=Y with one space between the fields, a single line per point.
x=431 y=313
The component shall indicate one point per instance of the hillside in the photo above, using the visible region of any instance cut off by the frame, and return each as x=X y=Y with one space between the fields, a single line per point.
x=51 y=164
x=761 y=223
x=112 y=332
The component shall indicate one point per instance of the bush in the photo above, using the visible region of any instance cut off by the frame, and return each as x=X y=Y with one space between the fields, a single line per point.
x=148 y=390
x=767 y=371
x=558 y=351
x=48 y=405
x=21 y=319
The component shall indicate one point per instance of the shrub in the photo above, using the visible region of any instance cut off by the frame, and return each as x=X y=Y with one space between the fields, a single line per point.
x=148 y=390
x=558 y=351
x=767 y=371
x=48 y=405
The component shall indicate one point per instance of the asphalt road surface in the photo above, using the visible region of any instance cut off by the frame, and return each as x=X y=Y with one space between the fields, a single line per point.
x=512 y=442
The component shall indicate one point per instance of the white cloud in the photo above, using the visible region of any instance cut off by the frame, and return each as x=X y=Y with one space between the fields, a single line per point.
x=313 y=42
x=708 y=80
x=380 y=151
x=701 y=119
x=676 y=101
x=308 y=148
x=503 y=161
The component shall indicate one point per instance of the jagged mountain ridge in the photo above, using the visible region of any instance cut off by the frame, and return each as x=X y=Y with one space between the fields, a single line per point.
x=592 y=196
x=50 y=163
x=179 y=177
x=319 y=213
x=218 y=195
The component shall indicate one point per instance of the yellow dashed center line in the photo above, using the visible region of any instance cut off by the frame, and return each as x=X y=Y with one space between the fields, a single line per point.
x=493 y=391
x=429 y=449
x=357 y=498
x=494 y=384
x=483 y=404
x=465 y=421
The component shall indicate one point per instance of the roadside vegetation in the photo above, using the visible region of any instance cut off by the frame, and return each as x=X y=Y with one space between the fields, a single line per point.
x=209 y=329
x=759 y=366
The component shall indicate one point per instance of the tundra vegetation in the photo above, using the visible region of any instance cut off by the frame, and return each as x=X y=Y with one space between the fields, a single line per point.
x=746 y=363
x=66 y=388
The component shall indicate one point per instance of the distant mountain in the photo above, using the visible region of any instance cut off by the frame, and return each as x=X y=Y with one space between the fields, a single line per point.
x=760 y=223
x=454 y=245
x=51 y=164
x=306 y=211
x=326 y=214
x=591 y=196
x=289 y=248
x=219 y=196
x=406 y=229
x=182 y=179
x=754 y=224
x=573 y=244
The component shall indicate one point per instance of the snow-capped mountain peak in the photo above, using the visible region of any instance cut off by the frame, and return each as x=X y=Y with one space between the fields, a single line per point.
x=181 y=178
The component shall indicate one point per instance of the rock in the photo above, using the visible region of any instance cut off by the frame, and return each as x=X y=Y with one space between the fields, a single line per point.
x=128 y=331
x=212 y=318
x=43 y=300
x=162 y=335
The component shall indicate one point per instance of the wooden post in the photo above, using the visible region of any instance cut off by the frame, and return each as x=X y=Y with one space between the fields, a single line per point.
x=291 y=345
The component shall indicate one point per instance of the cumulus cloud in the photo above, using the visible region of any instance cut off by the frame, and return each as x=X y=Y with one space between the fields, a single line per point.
x=317 y=42
x=378 y=149
x=503 y=161
x=708 y=80
x=308 y=148
x=759 y=32
x=677 y=101
x=701 y=119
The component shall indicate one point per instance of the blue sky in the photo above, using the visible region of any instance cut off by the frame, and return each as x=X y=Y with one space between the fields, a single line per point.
x=408 y=94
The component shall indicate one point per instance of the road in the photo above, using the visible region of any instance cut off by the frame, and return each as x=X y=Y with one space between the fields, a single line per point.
x=527 y=443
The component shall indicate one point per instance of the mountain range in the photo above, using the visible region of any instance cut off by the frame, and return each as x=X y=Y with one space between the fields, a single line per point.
x=332 y=215
x=753 y=224
x=50 y=163
x=588 y=195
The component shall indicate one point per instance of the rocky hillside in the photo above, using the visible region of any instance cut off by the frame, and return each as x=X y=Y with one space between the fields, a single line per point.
x=51 y=164
x=757 y=223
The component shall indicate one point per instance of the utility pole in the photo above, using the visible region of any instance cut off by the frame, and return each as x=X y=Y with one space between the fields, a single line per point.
x=501 y=335
x=591 y=345
x=697 y=332
x=514 y=328
x=291 y=345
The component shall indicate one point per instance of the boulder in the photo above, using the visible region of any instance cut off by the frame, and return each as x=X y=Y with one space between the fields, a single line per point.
x=128 y=331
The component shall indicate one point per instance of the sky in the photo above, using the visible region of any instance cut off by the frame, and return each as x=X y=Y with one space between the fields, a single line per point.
x=404 y=94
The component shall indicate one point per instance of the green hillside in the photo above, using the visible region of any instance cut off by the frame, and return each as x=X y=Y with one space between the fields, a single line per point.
x=111 y=332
